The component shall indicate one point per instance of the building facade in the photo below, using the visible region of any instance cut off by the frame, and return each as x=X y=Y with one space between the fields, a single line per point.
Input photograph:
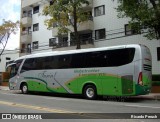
x=35 y=37
x=7 y=57
x=103 y=28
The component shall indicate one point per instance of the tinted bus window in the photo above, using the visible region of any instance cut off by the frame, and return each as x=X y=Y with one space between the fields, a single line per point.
x=18 y=63
x=29 y=64
x=64 y=61
x=96 y=59
x=110 y=58
x=78 y=61
x=120 y=57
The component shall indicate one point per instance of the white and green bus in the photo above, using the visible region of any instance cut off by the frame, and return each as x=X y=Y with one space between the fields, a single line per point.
x=112 y=71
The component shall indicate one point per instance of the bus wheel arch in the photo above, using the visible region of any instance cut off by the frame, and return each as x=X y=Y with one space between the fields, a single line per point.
x=24 y=87
x=90 y=91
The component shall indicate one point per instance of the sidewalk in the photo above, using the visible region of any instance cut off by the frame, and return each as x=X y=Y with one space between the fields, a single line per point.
x=4 y=88
x=152 y=96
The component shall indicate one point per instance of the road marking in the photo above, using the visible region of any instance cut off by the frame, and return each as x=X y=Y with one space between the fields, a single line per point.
x=140 y=106
x=91 y=116
x=34 y=107
x=55 y=98
x=10 y=94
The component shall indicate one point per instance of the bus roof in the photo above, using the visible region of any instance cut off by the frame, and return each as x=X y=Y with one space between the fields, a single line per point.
x=54 y=53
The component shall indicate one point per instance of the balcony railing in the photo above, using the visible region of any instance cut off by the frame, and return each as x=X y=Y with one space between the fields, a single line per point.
x=28 y=3
x=26 y=15
x=72 y=43
x=26 y=36
x=26 y=20
x=26 y=50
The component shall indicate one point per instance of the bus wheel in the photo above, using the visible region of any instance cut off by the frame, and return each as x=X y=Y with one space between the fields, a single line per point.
x=24 y=88
x=90 y=92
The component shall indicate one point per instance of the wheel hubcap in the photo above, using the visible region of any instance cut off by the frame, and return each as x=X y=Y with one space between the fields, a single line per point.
x=90 y=92
x=24 y=89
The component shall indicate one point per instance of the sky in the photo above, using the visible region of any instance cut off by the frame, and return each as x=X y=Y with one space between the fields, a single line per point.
x=10 y=10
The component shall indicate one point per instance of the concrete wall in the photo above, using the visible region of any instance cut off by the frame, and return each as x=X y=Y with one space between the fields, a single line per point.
x=7 y=54
x=43 y=35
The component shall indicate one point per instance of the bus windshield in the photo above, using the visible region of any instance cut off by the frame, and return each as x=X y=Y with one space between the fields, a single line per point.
x=12 y=69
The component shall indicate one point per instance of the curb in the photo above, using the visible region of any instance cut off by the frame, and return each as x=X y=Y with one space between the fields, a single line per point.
x=4 y=88
x=151 y=96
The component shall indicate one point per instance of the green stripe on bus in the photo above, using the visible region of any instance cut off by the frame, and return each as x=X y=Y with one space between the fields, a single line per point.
x=106 y=84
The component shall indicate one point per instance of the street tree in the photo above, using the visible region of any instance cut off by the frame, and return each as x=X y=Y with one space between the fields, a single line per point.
x=67 y=14
x=142 y=14
x=6 y=29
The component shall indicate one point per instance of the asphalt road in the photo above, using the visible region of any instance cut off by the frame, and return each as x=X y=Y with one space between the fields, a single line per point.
x=73 y=107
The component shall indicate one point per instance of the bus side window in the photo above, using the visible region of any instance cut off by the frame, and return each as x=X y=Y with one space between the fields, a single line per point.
x=64 y=61
x=97 y=59
x=29 y=64
x=77 y=58
x=13 y=71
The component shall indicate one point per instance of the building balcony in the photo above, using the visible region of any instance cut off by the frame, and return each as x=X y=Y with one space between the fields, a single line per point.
x=26 y=20
x=29 y=3
x=85 y=26
x=26 y=38
x=88 y=7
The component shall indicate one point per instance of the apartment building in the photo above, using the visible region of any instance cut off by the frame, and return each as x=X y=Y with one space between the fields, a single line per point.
x=103 y=28
x=35 y=37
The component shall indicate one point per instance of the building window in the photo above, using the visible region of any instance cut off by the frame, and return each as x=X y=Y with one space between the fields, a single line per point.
x=30 y=13
x=29 y=30
x=35 y=45
x=129 y=30
x=24 y=14
x=8 y=58
x=52 y=42
x=28 y=48
x=158 y=53
x=100 y=34
x=36 y=10
x=36 y=27
x=100 y=10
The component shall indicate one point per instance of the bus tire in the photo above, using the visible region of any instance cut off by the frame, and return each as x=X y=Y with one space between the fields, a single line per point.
x=24 y=88
x=90 y=92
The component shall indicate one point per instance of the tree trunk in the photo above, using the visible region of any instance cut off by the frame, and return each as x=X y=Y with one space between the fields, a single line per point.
x=76 y=35
x=4 y=46
x=157 y=27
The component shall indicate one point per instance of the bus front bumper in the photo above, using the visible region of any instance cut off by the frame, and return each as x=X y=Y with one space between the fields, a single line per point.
x=142 y=90
x=13 y=86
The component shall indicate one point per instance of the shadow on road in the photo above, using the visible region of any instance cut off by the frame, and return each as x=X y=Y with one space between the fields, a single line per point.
x=100 y=98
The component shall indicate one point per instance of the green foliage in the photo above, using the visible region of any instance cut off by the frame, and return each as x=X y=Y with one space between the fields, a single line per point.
x=156 y=77
x=6 y=29
x=62 y=13
x=66 y=15
x=156 y=83
x=156 y=80
x=145 y=13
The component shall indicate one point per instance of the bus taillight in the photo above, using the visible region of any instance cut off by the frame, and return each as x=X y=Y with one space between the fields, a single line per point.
x=140 y=82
